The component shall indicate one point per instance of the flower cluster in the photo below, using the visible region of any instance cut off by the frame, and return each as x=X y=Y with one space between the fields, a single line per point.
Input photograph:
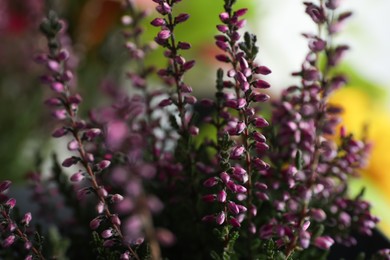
x=259 y=189
x=12 y=231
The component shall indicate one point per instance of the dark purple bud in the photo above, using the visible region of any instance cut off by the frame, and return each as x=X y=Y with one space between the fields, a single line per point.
x=103 y=164
x=240 y=12
x=95 y=223
x=164 y=34
x=324 y=242
x=221 y=196
x=261 y=147
x=63 y=55
x=193 y=130
x=237 y=151
x=7 y=242
x=116 y=198
x=316 y=13
x=242 y=208
x=57 y=87
x=208 y=218
x=164 y=8
x=76 y=177
x=222 y=28
x=109 y=243
x=240 y=24
x=220 y=218
x=53 y=65
x=115 y=220
x=224 y=177
x=165 y=102
x=318 y=214
x=70 y=161
x=11 y=203
x=240 y=127
x=76 y=99
x=67 y=76
x=207 y=102
x=333 y=4
x=181 y=18
x=260 y=164
x=304 y=239
x=158 y=22
x=240 y=77
x=190 y=100
x=240 y=188
x=261 y=97
x=107 y=233
x=73 y=145
x=184 y=45
x=81 y=193
x=222 y=45
x=238 y=170
x=241 y=103
x=260 y=122
x=221 y=38
x=233 y=208
x=211 y=182
x=224 y=17
x=311 y=74
x=338 y=54
x=317 y=45
x=89 y=157
x=262 y=196
x=4 y=185
x=344 y=16
x=222 y=58
x=27 y=245
x=60 y=114
x=209 y=198
x=345 y=219
x=243 y=63
x=53 y=102
x=26 y=219
x=234 y=222
x=261 y=84
x=263 y=70
x=102 y=192
x=188 y=65
x=92 y=133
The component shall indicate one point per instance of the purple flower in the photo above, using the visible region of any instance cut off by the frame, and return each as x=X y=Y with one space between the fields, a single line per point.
x=158 y=22
x=323 y=242
x=164 y=34
x=26 y=219
x=8 y=241
x=76 y=177
x=4 y=185
x=181 y=18
x=220 y=218
x=70 y=161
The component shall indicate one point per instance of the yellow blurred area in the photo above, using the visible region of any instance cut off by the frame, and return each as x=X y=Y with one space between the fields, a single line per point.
x=360 y=110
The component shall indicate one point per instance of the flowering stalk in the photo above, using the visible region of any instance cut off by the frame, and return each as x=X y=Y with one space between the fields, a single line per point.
x=251 y=146
x=305 y=119
x=178 y=66
x=67 y=106
x=15 y=231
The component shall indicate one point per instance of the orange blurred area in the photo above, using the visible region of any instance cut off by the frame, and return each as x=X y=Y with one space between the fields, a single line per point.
x=360 y=110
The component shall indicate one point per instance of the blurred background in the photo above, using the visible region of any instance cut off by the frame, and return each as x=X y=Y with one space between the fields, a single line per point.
x=95 y=34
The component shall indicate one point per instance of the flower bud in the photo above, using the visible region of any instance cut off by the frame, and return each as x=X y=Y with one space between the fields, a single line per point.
x=220 y=218
x=76 y=177
x=26 y=219
x=4 y=185
x=95 y=223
